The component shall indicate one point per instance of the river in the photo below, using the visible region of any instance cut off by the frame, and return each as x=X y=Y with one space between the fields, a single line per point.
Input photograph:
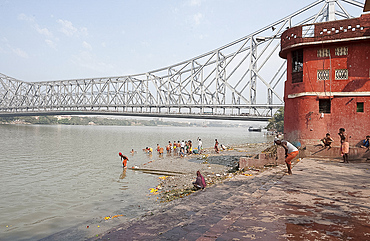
x=54 y=177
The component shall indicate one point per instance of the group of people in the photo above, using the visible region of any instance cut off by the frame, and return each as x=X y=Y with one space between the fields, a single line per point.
x=182 y=149
x=186 y=147
x=344 y=147
x=178 y=148
x=291 y=151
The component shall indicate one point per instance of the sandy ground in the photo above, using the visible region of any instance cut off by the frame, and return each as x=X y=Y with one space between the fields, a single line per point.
x=178 y=173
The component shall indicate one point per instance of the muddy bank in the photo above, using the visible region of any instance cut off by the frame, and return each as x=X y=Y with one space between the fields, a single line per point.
x=176 y=174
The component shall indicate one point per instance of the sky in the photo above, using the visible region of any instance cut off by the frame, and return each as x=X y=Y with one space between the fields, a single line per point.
x=59 y=40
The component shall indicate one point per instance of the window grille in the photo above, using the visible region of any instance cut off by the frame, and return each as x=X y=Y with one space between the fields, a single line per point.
x=323 y=53
x=297 y=60
x=341 y=51
x=341 y=74
x=297 y=66
x=322 y=74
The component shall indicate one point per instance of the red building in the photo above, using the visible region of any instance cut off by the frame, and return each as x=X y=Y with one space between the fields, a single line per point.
x=327 y=84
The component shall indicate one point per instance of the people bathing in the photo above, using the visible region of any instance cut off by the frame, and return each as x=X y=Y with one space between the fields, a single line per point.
x=124 y=159
x=200 y=146
x=182 y=148
x=148 y=150
x=216 y=146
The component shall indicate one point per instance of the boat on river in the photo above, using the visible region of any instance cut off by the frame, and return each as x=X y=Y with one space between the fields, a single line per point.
x=256 y=129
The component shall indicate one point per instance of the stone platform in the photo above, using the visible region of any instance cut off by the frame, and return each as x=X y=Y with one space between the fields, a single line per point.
x=323 y=200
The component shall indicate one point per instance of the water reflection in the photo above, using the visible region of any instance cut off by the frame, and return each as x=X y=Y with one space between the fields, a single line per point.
x=123 y=174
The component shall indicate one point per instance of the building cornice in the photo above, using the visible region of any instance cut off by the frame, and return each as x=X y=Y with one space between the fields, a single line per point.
x=329 y=94
x=321 y=42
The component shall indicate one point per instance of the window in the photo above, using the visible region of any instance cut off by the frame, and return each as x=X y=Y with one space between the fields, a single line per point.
x=324 y=105
x=360 y=106
x=323 y=53
x=297 y=60
x=341 y=51
x=322 y=74
x=297 y=66
x=341 y=74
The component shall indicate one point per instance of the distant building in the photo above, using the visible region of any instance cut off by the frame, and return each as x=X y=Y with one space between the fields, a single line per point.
x=328 y=75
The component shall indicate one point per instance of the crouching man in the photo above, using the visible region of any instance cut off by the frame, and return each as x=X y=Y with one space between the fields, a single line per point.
x=290 y=152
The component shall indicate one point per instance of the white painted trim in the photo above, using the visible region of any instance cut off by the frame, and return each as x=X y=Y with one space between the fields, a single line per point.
x=320 y=42
x=322 y=94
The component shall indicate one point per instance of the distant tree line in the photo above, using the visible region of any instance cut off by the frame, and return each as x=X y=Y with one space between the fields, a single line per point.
x=77 y=120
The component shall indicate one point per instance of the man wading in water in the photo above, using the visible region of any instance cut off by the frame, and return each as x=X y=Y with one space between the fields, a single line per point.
x=124 y=159
x=290 y=152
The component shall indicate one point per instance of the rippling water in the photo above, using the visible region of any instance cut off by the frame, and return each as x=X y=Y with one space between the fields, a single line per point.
x=56 y=177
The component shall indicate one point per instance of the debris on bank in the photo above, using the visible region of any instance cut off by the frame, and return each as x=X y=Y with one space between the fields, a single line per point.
x=214 y=167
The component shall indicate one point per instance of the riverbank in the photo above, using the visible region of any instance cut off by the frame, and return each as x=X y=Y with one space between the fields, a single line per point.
x=173 y=188
x=323 y=200
x=180 y=172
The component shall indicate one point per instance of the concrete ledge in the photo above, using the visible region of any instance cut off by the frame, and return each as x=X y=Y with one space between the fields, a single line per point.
x=263 y=159
x=355 y=153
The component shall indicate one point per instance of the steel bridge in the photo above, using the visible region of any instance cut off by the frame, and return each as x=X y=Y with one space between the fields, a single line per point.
x=220 y=84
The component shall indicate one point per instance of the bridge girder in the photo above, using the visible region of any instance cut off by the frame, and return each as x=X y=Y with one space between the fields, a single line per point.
x=220 y=82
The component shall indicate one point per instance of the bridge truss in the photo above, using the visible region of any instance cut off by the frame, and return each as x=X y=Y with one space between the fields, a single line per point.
x=220 y=84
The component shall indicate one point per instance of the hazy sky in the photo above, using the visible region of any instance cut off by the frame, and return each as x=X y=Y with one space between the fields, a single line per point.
x=67 y=39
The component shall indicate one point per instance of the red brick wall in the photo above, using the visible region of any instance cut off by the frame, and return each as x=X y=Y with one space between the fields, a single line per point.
x=303 y=122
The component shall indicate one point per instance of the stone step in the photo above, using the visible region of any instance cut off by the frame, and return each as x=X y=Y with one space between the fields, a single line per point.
x=202 y=214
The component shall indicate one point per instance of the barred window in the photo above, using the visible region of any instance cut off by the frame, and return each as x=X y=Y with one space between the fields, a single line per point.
x=323 y=53
x=341 y=51
x=297 y=66
x=322 y=74
x=297 y=60
x=341 y=74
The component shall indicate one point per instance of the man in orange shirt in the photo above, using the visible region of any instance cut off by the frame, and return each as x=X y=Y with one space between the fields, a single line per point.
x=124 y=160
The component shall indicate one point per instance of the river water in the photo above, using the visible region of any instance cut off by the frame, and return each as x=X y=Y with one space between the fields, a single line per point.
x=57 y=177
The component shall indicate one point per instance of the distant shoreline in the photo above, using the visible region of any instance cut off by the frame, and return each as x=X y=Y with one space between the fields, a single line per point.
x=101 y=121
